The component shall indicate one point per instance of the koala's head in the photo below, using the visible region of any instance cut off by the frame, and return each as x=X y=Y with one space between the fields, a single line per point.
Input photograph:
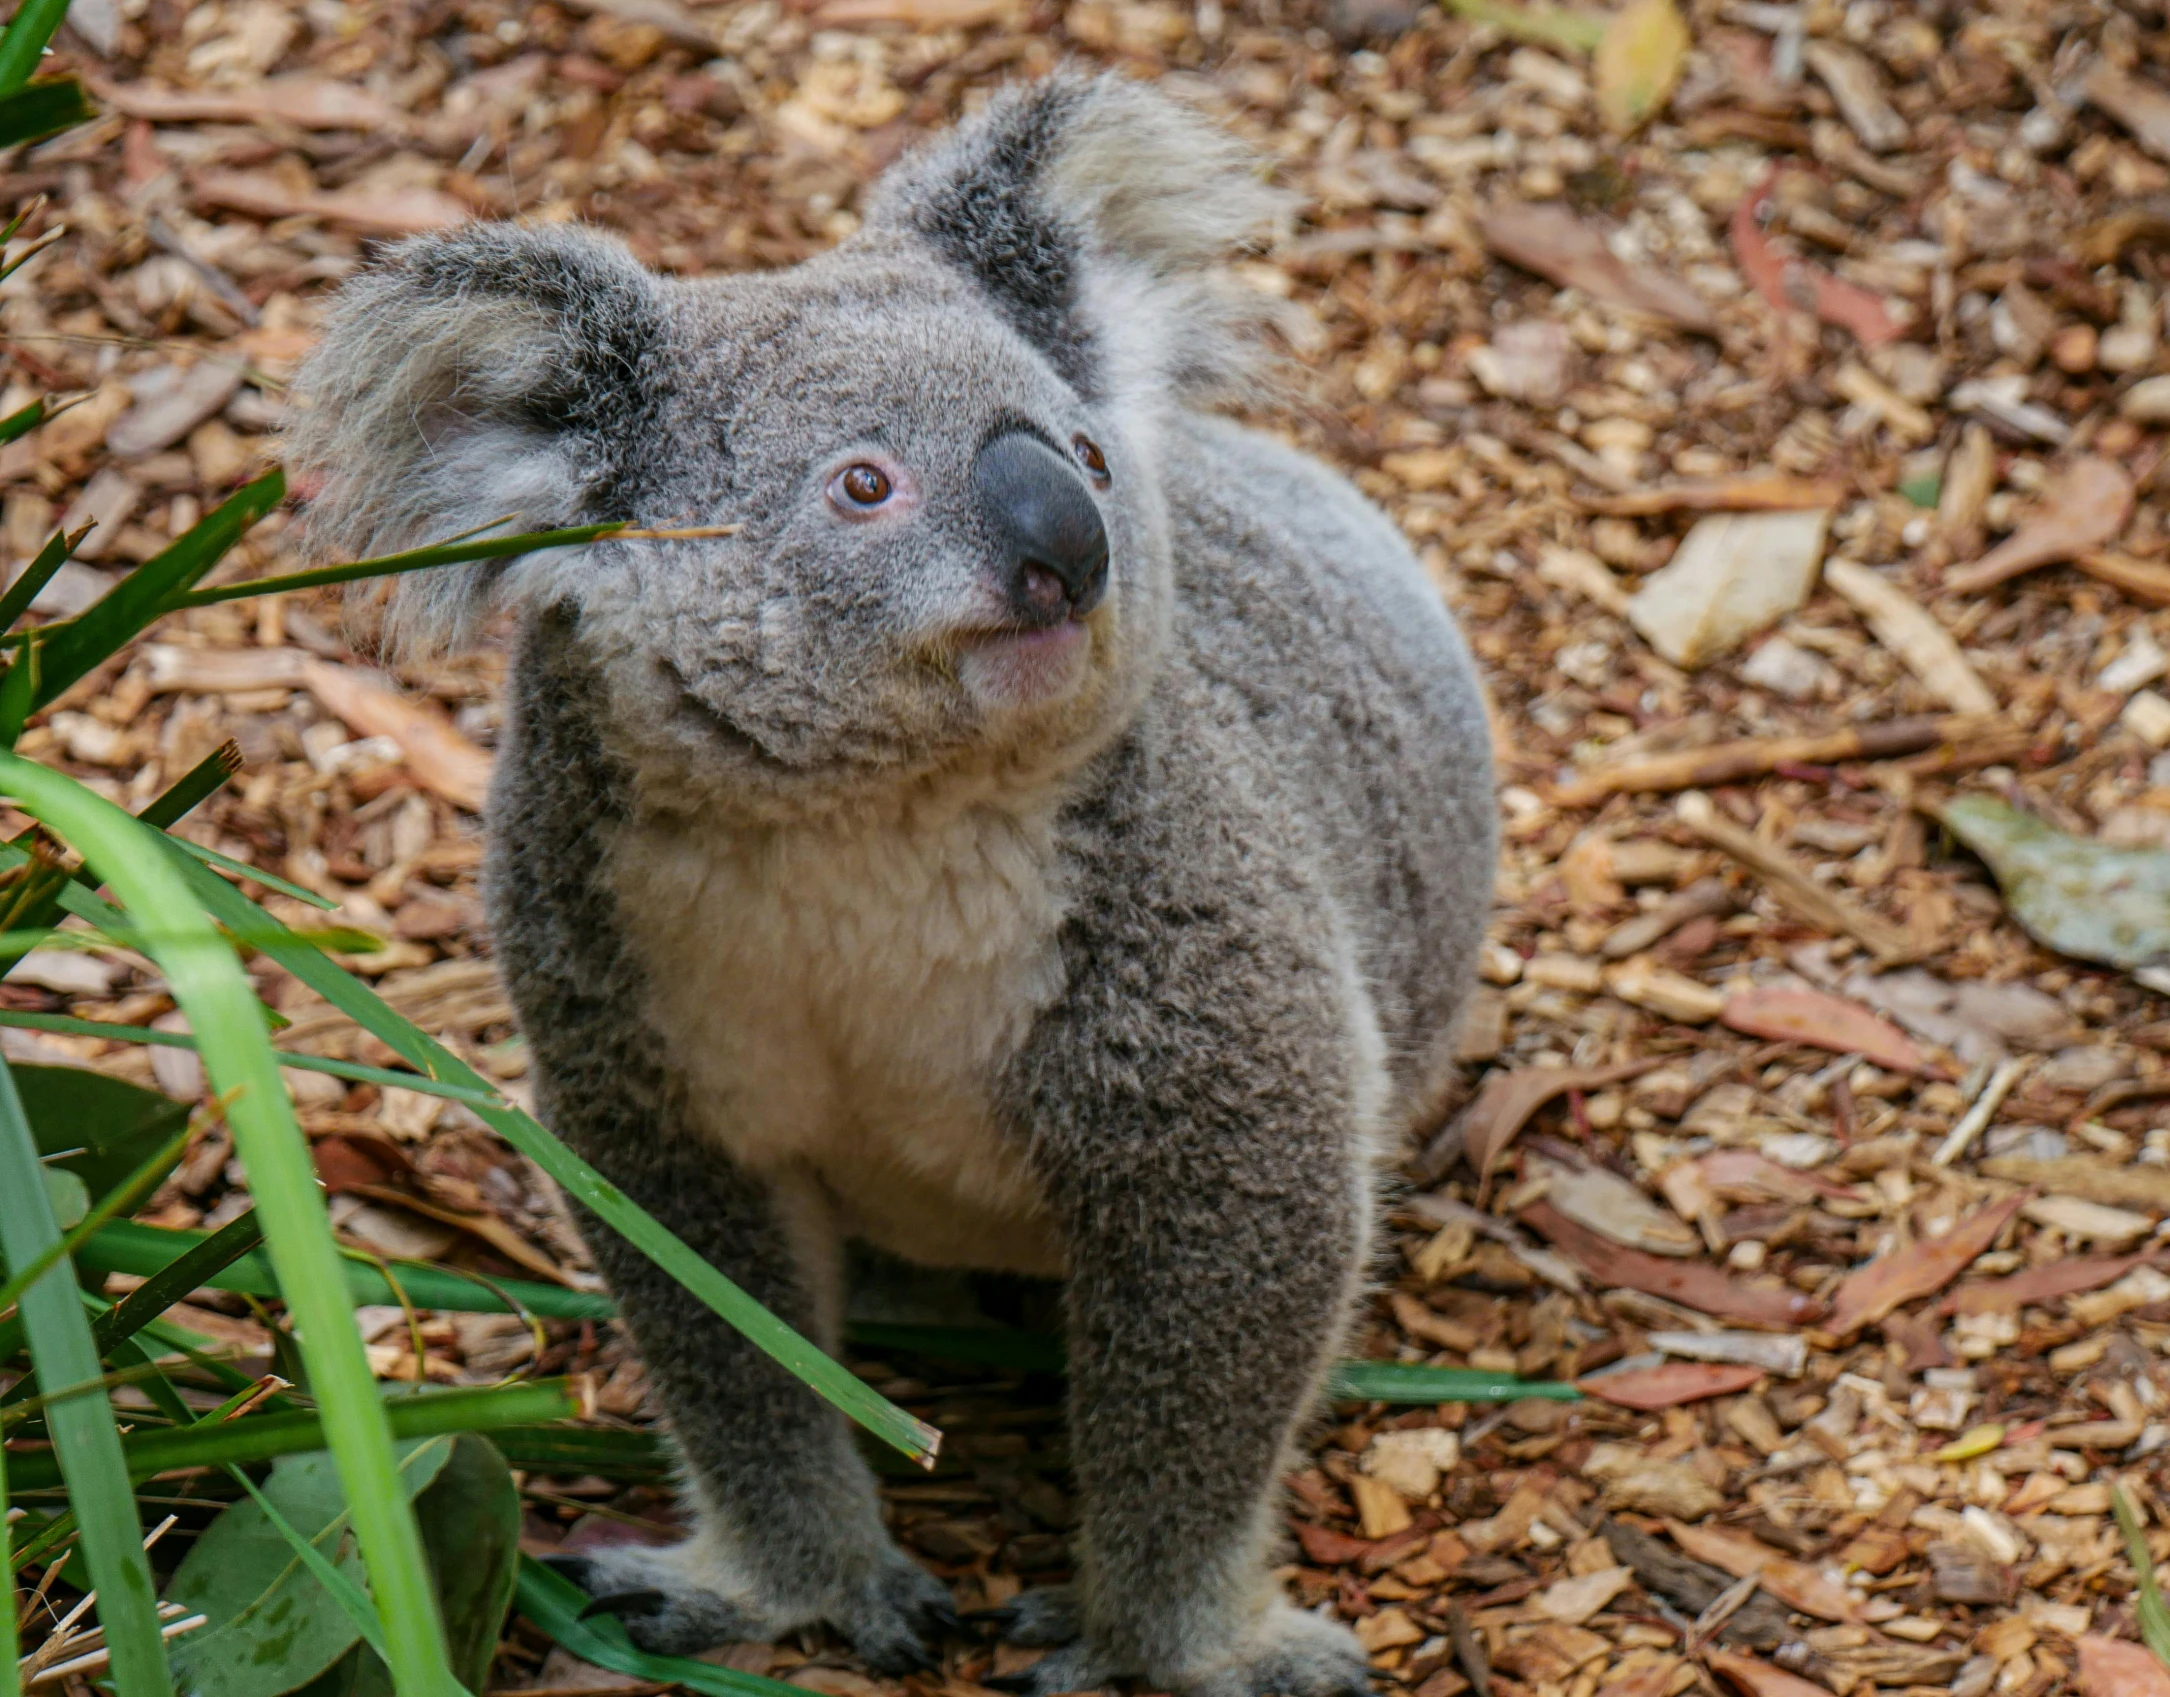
x=937 y=440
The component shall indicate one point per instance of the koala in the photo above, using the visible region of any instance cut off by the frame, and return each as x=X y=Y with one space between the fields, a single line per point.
x=1050 y=834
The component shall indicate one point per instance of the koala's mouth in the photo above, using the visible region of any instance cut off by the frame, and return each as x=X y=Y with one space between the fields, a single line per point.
x=1015 y=667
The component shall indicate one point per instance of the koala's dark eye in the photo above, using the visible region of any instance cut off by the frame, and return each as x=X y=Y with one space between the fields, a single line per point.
x=862 y=485
x=1090 y=457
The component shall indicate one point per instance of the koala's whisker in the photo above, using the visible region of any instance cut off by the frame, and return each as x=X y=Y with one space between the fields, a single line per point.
x=687 y=533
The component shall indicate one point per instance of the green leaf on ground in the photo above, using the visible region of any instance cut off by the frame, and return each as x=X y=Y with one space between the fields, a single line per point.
x=273 y=1626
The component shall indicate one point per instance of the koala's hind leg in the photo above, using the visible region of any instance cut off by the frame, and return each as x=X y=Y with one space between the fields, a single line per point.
x=787 y=1525
x=1199 y=1105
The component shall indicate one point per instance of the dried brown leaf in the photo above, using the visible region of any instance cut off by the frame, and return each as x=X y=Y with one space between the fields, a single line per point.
x=1920 y=1269
x=1547 y=238
x=1785 y=1014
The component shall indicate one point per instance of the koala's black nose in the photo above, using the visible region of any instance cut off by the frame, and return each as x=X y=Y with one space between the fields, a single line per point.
x=1053 y=546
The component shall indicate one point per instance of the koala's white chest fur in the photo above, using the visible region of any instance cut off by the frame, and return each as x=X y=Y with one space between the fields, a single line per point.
x=838 y=1001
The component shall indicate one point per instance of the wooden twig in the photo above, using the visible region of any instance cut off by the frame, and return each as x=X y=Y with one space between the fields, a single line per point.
x=1792 y=885
x=1752 y=757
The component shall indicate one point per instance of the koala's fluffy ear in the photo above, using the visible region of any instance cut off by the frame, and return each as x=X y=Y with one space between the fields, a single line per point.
x=1090 y=209
x=491 y=372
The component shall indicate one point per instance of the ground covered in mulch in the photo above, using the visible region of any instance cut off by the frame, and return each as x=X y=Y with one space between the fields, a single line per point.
x=1841 y=1194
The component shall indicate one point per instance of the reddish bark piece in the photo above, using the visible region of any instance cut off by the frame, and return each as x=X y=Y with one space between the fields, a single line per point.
x=1508 y=1099
x=1792 y=285
x=1696 y=1283
x=348 y=1160
x=1330 y=1548
x=1788 y=1015
x=1669 y=1386
x=1760 y=1679
x=1792 y=1582
x=1548 y=239
x=2084 y=508
x=1869 y=1293
x=2040 y=1285
x=2115 y=1667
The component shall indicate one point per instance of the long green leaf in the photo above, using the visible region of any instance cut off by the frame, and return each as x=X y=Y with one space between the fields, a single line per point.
x=391 y=565
x=126 y=1246
x=11 y=1648
x=23 y=43
x=265 y=1437
x=2148 y=1605
x=140 y=867
x=194 y=787
x=15 y=601
x=153 y=587
x=23 y=420
x=826 y=1376
x=554 y=1602
x=354 y=1070
x=185 y=1272
x=87 y=1447
x=42 y=109
x=1403 y=1381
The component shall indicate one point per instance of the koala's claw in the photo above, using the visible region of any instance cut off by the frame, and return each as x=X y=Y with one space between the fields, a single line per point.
x=889 y=1622
x=663 y=1613
x=624 y=1603
x=1044 y=1619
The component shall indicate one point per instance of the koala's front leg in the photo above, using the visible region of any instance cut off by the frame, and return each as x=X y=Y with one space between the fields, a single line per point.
x=787 y=1526
x=1199 y=1119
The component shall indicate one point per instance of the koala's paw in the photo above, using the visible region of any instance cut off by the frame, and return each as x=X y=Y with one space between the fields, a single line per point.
x=665 y=1611
x=890 y=1618
x=670 y=1607
x=1046 y=1618
x=1293 y=1654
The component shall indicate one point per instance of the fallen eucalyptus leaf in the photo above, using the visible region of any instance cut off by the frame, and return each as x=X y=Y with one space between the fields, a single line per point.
x=2078 y=897
x=1638 y=63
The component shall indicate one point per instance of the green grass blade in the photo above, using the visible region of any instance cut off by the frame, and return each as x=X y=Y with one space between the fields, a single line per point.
x=349 y=1596
x=24 y=419
x=11 y=1648
x=353 y=1070
x=827 y=1377
x=22 y=45
x=42 y=108
x=255 y=874
x=153 y=587
x=615 y=1452
x=391 y=565
x=1399 y=1381
x=86 y=1446
x=2148 y=1605
x=186 y=1272
x=266 y=1437
x=126 y=1246
x=206 y=979
x=121 y=1200
x=554 y=1602
x=24 y=590
x=194 y=787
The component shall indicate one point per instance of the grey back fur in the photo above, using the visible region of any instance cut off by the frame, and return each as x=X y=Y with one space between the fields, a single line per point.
x=836 y=907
